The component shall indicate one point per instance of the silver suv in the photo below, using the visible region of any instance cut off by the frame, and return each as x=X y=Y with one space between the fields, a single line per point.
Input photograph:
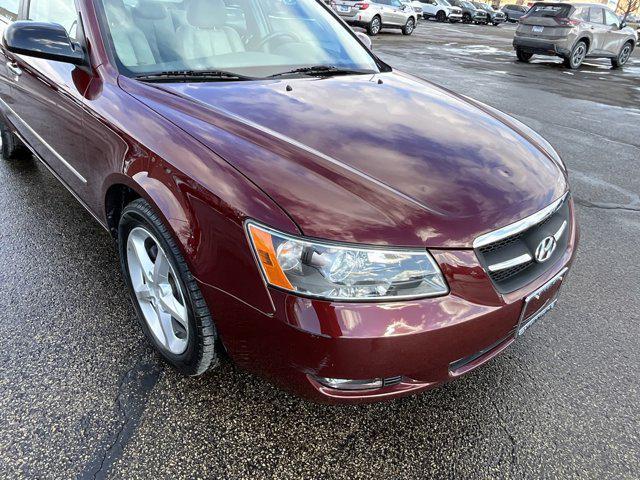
x=374 y=15
x=574 y=32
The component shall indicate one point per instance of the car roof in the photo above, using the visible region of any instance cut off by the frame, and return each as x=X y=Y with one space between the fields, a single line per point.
x=572 y=4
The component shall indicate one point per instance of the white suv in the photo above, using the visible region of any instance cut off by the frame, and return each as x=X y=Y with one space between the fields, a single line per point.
x=441 y=10
x=374 y=15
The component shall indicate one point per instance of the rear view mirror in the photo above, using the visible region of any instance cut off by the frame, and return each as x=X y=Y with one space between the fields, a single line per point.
x=364 y=38
x=42 y=40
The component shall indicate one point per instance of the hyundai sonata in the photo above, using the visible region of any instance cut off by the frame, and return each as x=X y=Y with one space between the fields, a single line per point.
x=280 y=194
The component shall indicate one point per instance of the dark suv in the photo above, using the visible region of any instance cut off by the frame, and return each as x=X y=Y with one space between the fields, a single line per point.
x=513 y=13
x=470 y=13
x=347 y=261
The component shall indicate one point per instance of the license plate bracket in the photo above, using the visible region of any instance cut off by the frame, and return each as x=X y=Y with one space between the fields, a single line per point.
x=537 y=29
x=540 y=302
x=343 y=8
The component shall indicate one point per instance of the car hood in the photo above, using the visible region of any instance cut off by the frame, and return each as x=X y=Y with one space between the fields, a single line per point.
x=381 y=159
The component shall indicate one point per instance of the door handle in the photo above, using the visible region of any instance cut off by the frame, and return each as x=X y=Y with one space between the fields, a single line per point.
x=13 y=66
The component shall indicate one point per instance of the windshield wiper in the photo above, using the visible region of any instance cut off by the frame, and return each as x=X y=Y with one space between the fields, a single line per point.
x=321 y=71
x=193 y=75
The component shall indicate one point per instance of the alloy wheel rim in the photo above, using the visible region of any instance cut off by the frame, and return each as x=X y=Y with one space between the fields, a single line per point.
x=625 y=54
x=375 y=26
x=410 y=26
x=157 y=291
x=578 y=55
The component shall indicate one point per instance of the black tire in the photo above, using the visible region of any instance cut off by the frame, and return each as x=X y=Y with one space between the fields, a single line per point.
x=201 y=353
x=466 y=18
x=374 y=27
x=495 y=24
x=441 y=16
x=409 y=27
x=523 y=56
x=577 y=55
x=623 y=56
x=12 y=146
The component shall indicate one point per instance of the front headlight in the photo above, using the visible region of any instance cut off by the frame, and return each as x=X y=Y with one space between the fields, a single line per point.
x=342 y=272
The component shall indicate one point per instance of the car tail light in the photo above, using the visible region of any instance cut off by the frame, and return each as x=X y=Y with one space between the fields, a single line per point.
x=362 y=6
x=568 y=22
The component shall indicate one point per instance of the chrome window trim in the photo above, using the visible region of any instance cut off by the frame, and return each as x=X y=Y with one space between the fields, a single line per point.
x=520 y=225
x=43 y=142
x=513 y=262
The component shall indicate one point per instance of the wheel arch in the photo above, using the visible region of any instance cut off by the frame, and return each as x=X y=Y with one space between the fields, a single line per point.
x=586 y=39
x=123 y=189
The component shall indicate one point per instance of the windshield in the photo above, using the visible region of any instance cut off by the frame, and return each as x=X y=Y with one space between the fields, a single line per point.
x=251 y=38
x=468 y=5
x=444 y=2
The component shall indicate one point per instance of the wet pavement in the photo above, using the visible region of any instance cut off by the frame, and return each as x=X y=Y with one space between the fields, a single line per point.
x=83 y=395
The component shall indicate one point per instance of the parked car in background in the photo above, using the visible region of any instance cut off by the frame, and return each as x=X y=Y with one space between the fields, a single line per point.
x=377 y=14
x=496 y=17
x=441 y=10
x=514 y=12
x=416 y=5
x=469 y=11
x=574 y=31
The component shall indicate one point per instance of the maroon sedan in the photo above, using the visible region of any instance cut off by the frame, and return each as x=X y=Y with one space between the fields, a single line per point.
x=279 y=193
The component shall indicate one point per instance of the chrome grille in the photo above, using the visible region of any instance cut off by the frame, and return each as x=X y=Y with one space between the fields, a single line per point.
x=510 y=260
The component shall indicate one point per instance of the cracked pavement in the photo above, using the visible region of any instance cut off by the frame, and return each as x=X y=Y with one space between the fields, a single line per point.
x=84 y=396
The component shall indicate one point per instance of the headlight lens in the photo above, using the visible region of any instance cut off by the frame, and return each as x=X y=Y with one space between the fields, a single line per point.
x=341 y=272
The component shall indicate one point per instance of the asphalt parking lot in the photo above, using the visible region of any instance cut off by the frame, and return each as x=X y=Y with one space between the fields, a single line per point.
x=84 y=396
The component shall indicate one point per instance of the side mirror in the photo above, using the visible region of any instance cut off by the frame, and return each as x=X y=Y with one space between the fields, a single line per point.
x=623 y=25
x=364 y=38
x=42 y=40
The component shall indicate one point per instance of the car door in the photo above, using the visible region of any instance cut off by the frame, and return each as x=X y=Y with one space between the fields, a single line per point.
x=399 y=12
x=385 y=11
x=598 y=30
x=8 y=13
x=615 y=36
x=48 y=108
x=429 y=7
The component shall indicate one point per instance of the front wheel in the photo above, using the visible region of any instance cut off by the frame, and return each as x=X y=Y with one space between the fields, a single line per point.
x=12 y=146
x=441 y=16
x=166 y=296
x=466 y=18
x=577 y=55
x=409 y=27
x=374 y=26
x=523 y=56
x=623 y=56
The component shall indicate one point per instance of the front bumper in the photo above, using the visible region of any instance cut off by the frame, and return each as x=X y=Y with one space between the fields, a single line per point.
x=424 y=342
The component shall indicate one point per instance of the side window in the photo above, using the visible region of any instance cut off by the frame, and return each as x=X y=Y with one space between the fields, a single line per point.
x=610 y=19
x=395 y=3
x=596 y=15
x=582 y=13
x=9 y=10
x=55 y=11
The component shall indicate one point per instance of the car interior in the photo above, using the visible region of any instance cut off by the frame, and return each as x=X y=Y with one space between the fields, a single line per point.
x=153 y=35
